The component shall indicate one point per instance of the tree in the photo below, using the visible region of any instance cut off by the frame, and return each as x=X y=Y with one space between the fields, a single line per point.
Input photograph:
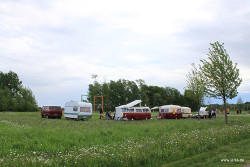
x=190 y=99
x=143 y=88
x=11 y=81
x=197 y=85
x=5 y=99
x=221 y=76
x=14 y=95
x=240 y=103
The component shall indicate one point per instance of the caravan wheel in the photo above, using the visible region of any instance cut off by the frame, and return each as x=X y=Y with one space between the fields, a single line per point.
x=47 y=116
x=132 y=119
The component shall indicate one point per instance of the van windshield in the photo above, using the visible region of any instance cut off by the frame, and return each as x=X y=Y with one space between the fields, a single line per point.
x=55 y=108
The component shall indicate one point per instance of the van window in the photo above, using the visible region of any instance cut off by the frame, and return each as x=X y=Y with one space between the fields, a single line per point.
x=138 y=110
x=145 y=110
x=55 y=108
x=75 y=108
x=124 y=110
x=84 y=109
x=46 y=107
x=130 y=110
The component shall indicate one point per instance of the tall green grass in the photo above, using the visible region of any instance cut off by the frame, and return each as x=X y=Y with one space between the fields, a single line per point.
x=28 y=140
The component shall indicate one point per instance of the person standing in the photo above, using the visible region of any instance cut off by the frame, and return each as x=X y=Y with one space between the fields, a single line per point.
x=209 y=114
x=101 y=113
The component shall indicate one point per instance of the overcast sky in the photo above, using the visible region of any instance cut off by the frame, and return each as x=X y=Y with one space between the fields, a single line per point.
x=56 y=45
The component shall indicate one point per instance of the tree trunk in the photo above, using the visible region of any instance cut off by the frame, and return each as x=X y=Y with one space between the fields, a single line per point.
x=225 y=108
x=198 y=109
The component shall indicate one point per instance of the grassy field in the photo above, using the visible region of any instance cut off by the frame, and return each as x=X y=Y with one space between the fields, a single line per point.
x=29 y=140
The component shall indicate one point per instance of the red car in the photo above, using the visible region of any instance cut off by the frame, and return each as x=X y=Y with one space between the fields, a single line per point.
x=51 y=112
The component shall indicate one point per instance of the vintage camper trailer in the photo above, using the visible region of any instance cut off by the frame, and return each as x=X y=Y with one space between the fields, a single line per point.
x=132 y=111
x=186 y=112
x=78 y=110
x=170 y=112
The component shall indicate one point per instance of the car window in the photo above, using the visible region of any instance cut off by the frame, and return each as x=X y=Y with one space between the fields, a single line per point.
x=55 y=108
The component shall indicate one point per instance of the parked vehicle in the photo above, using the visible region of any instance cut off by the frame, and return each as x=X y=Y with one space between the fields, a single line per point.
x=132 y=111
x=78 y=110
x=202 y=113
x=186 y=112
x=170 y=112
x=51 y=112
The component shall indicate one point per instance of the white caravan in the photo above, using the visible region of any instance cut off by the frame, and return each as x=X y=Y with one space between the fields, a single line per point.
x=78 y=110
x=186 y=112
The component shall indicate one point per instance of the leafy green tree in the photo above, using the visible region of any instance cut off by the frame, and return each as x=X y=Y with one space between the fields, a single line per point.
x=106 y=99
x=220 y=74
x=197 y=85
x=157 y=99
x=5 y=99
x=143 y=88
x=14 y=95
x=11 y=81
x=190 y=100
x=240 y=103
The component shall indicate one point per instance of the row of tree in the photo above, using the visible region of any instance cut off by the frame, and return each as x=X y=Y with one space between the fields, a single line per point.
x=13 y=96
x=116 y=93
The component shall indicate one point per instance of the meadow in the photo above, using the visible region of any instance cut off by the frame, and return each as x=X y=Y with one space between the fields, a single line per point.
x=29 y=140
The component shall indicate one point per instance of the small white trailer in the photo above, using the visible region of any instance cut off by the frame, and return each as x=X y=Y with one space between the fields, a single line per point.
x=186 y=112
x=78 y=110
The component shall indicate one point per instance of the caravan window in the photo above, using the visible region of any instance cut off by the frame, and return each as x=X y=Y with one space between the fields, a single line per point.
x=165 y=110
x=145 y=110
x=75 y=108
x=84 y=109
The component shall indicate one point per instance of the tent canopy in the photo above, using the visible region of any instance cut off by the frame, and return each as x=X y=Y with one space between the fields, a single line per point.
x=131 y=104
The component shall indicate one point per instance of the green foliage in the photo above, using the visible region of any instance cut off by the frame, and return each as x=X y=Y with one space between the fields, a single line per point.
x=240 y=103
x=13 y=96
x=191 y=100
x=11 y=81
x=197 y=86
x=5 y=99
x=116 y=93
x=221 y=76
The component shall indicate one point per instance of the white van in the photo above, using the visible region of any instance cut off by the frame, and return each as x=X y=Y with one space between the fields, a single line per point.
x=78 y=110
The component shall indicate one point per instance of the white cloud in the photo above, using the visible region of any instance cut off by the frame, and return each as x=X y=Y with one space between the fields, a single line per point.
x=55 y=46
